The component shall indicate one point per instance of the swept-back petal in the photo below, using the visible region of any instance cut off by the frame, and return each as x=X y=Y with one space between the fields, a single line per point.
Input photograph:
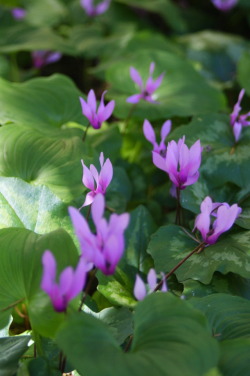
x=87 y=177
x=106 y=111
x=136 y=77
x=49 y=271
x=139 y=288
x=106 y=175
x=92 y=100
x=134 y=98
x=97 y=209
x=159 y=161
x=152 y=279
x=149 y=132
x=102 y=7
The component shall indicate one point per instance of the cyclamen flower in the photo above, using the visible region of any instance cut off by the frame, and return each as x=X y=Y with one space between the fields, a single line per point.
x=147 y=91
x=105 y=249
x=96 y=182
x=149 y=133
x=41 y=58
x=18 y=13
x=225 y=218
x=224 y=5
x=238 y=121
x=94 y=10
x=180 y=163
x=71 y=282
x=96 y=117
x=140 y=290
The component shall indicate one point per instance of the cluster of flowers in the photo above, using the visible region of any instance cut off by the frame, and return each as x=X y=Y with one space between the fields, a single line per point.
x=104 y=248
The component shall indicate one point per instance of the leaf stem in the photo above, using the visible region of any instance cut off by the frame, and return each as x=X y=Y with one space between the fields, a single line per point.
x=197 y=249
x=12 y=305
x=178 y=208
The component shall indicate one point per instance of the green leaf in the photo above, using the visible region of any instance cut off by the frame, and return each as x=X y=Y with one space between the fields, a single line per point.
x=141 y=226
x=170 y=331
x=183 y=91
x=170 y=244
x=42 y=103
x=30 y=207
x=243 y=71
x=21 y=271
x=38 y=159
x=119 y=321
x=118 y=287
x=11 y=349
x=228 y=316
x=234 y=360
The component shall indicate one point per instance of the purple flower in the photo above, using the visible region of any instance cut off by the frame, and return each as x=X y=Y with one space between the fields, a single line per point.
x=140 y=290
x=224 y=5
x=41 y=58
x=147 y=91
x=97 y=182
x=96 y=118
x=70 y=284
x=180 y=163
x=238 y=121
x=94 y=10
x=149 y=133
x=18 y=13
x=104 y=249
x=225 y=218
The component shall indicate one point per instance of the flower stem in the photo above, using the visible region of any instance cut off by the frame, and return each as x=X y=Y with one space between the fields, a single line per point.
x=86 y=291
x=85 y=132
x=197 y=249
x=129 y=116
x=178 y=208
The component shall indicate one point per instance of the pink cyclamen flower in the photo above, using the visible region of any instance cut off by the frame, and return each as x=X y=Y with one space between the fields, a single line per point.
x=147 y=91
x=238 y=121
x=105 y=249
x=180 y=163
x=140 y=289
x=96 y=117
x=41 y=58
x=225 y=218
x=94 y=10
x=18 y=13
x=224 y=5
x=71 y=282
x=149 y=134
x=97 y=182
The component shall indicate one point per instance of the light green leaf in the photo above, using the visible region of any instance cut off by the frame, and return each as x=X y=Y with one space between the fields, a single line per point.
x=11 y=349
x=21 y=271
x=234 y=360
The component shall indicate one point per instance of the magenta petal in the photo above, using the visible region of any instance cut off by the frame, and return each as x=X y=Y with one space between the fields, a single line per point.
x=136 y=77
x=152 y=279
x=102 y=7
x=106 y=175
x=149 y=132
x=106 y=112
x=92 y=100
x=165 y=130
x=79 y=279
x=49 y=271
x=139 y=288
x=86 y=110
x=97 y=208
x=134 y=98
x=237 y=128
x=151 y=87
x=65 y=280
x=151 y=68
x=159 y=161
x=87 y=178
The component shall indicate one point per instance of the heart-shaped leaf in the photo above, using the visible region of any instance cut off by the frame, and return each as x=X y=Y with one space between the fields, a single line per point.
x=170 y=244
x=171 y=331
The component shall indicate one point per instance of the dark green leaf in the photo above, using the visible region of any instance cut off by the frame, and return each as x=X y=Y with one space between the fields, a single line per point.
x=11 y=349
x=163 y=335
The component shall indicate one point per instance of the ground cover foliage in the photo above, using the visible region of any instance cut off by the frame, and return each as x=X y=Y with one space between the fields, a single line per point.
x=201 y=325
